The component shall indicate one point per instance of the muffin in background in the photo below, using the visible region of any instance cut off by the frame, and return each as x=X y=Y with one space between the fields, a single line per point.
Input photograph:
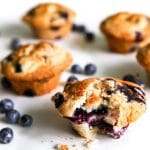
x=126 y=32
x=143 y=57
x=50 y=20
x=35 y=69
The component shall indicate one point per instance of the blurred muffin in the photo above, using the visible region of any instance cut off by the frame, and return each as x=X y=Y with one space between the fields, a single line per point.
x=35 y=68
x=143 y=57
x=126 y=32
x=105 y=105
x=50 y=20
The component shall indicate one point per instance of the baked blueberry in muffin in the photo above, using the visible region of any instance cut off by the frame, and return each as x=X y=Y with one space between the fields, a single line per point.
x=105 y=105
x=50 y=20
x=35 y=69
x=126 y=32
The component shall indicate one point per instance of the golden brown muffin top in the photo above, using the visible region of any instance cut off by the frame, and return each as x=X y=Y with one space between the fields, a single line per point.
x=143 y=56
x=127 y=26
x=36 y=61
x=49 y=15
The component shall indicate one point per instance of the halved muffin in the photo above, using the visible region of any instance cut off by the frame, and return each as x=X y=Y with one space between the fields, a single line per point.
x=105 y=105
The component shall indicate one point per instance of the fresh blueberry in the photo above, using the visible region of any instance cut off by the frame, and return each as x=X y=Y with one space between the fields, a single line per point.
x=18 y=68
x=72 y=78
x=90 y=69
x=133 y=79
x=79 y=28
x=58 y=99
x=129 y=77
x=5 y=83
x=26 y=120
x=74 y=27
x=6 y=135
x=12 y=116
x=89 y=36
x=15 y=43
x=76 y=68
x=6 y=105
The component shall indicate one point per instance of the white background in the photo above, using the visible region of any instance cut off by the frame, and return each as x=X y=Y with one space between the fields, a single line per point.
x=48 y=128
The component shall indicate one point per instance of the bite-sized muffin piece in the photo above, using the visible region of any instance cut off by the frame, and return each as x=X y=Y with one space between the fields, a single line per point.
x=105 y=105
x=50 y=20
x=126 y=32
x=35 y=67
x=143 y=57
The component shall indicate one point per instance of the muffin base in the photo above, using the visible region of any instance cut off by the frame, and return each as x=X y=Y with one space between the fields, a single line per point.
x=123 y=46
x=38 y=87
x=53 y=34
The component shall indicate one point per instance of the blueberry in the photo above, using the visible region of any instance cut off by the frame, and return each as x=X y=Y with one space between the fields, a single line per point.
x=15 y=43
x=18 y=68
x=74 y=27
x=6 y=135
x=138 y=36
x=58 y=99
x=89 y=36
x=90 y=69
x=76 y=68
x=72 y=78
x=79 y=28
x=5 y=83
x=129 y=77
x=26 y=120
x=6 y=105
x=12 y=116
x=63 y=14
x=133 y=79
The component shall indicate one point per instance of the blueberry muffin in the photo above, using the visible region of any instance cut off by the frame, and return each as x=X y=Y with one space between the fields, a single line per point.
x=143 y=56
x=50 y=20
x=35 y=67
x=104 y=105
x=126 y=32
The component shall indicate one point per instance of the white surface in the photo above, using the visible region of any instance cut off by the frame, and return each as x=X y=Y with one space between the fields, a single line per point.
x=48 y=128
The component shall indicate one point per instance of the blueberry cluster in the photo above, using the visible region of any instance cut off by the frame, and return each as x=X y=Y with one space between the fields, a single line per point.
x=133 y=79
x=12 y=116
x=88 y=35
x=89 y=69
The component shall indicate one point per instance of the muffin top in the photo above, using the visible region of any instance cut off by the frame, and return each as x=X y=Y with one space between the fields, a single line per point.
x=127 y=26
x=143 y=56
x=35 y=62
x=48 y=15
x=123 y=101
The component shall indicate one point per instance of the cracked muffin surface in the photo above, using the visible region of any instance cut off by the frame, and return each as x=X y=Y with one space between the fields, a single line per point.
x=35 y=69
x=107 y=105
x=50 y=20
x=126 y=32
x=35 y=62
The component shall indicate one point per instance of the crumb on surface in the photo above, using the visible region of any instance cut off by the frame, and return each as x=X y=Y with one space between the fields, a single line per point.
x=66 y=147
